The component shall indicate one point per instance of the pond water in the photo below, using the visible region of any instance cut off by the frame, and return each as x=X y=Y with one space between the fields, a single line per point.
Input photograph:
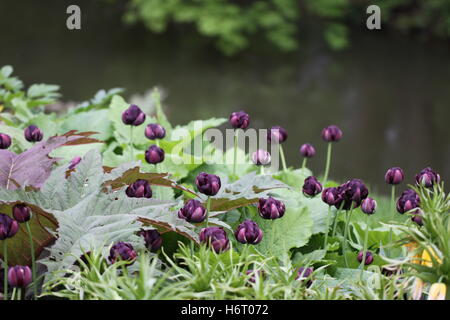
x=389 y=94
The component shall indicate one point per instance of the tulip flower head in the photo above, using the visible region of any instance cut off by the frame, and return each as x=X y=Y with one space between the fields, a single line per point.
x=368 y=260
x=417 y=217
x=248 y=232
x=305 y=273
x=277 y=134
x=152 y=238
x=208 y=184
x=394 y=176
x=369 y=206
x=33 y=134
x=352 y=193
x=239 y=120
x=8 y=227
x=408 y=200
x=331 y=196
x=155 y=131
x=311 y=187
x=332 y=134
x=5 y=141
x=154 y=154
x=427 y=178
x=133 y=116
x=19 y=276
x=122 y=251
x=216 y=237
x=261 y=157
x=307 y=150
x=437 y=291
x=271 y=208
x=193 y=211
x=139 y=189
x=254 y=274
x=21 y=213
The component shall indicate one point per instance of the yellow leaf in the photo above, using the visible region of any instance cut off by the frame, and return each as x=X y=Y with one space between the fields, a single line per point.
x=426 y=259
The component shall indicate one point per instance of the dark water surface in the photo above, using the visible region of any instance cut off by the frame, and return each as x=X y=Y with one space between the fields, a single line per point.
x=389 y=94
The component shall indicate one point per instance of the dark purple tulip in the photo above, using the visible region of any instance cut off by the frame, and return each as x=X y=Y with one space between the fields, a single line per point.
x=253 y=274
x=408 y=200
x=193 y=211
x=152 y=238
x=303 y=274
x=417 y=217
x=122 y=251
x=353 y=191
x=330 y=196
x=5 y=141
x=208 y=184
x=239 y=120
x=261 y=157
x=19 y=276
x=332 y=133
x=155 y=131
x=271 y=208
x=33 y=134
x=427 y=178
x=307 y=150
x=154 y=154
x=139 y=189
x=394 y=175
x=311 y=187
x=21 y=213
x=8 y=226
x=369 y=206
x=133 y=116
x=369 y=257
x=216 y=237
x=74 y=162
x=277 y=134
x=248 y=232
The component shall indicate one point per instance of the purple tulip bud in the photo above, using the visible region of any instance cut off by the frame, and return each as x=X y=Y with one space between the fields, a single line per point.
x=19 y=276
x=21 y=213
x=330 y=196
x=417 y=217
x=311 y=187
x=352 y=193
x=122 y=251
x=133 y=116
x=305 y=273
x=332 y=133
x=193 y=211
x=139 y=189
x=216 y=237
x=33 y=134
x=253 y=274
x=427 y=178
x=408 y=200
x=8 y=226
x=261 y=157
x=208 y=184
x=271 y=208
x=154 y=154
x=152 y=238
x=248 y=232
x=5 y=141
x=369 y=206
x=307 y=150
x=155 y=131
x=277 y=134
x=74 y=162
x=369 y=257
x=394 y=175
x=239 y=119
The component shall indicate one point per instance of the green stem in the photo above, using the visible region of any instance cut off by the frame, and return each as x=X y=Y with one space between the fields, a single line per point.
x=304 y=163
x=235 y=152
x=5 y=269
x=262 y=170
x=19 y=293
x=131 y=143
x=336 y=219
x=325 y=243
x=392 y=211
x=283 y=159
x=208 y=207
x=13 y=294
x=366 y=238
x=327 y=165
x=33 y=260
x=347 y=223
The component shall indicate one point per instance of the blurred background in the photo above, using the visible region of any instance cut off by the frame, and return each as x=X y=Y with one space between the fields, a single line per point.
x=301 y=64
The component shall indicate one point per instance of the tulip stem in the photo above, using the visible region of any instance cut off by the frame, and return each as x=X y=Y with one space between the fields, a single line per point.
x=304 y=163
x=325 y=243
x=366 y=237
x=336 y=218
x=347 y=222
x=262 y=170
x=131 y=143
x=235 y=152
x=5 y=270
x=392 y=210
x=33 y=259
x=208 y=207
x=283 y=160
x=327 y=165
